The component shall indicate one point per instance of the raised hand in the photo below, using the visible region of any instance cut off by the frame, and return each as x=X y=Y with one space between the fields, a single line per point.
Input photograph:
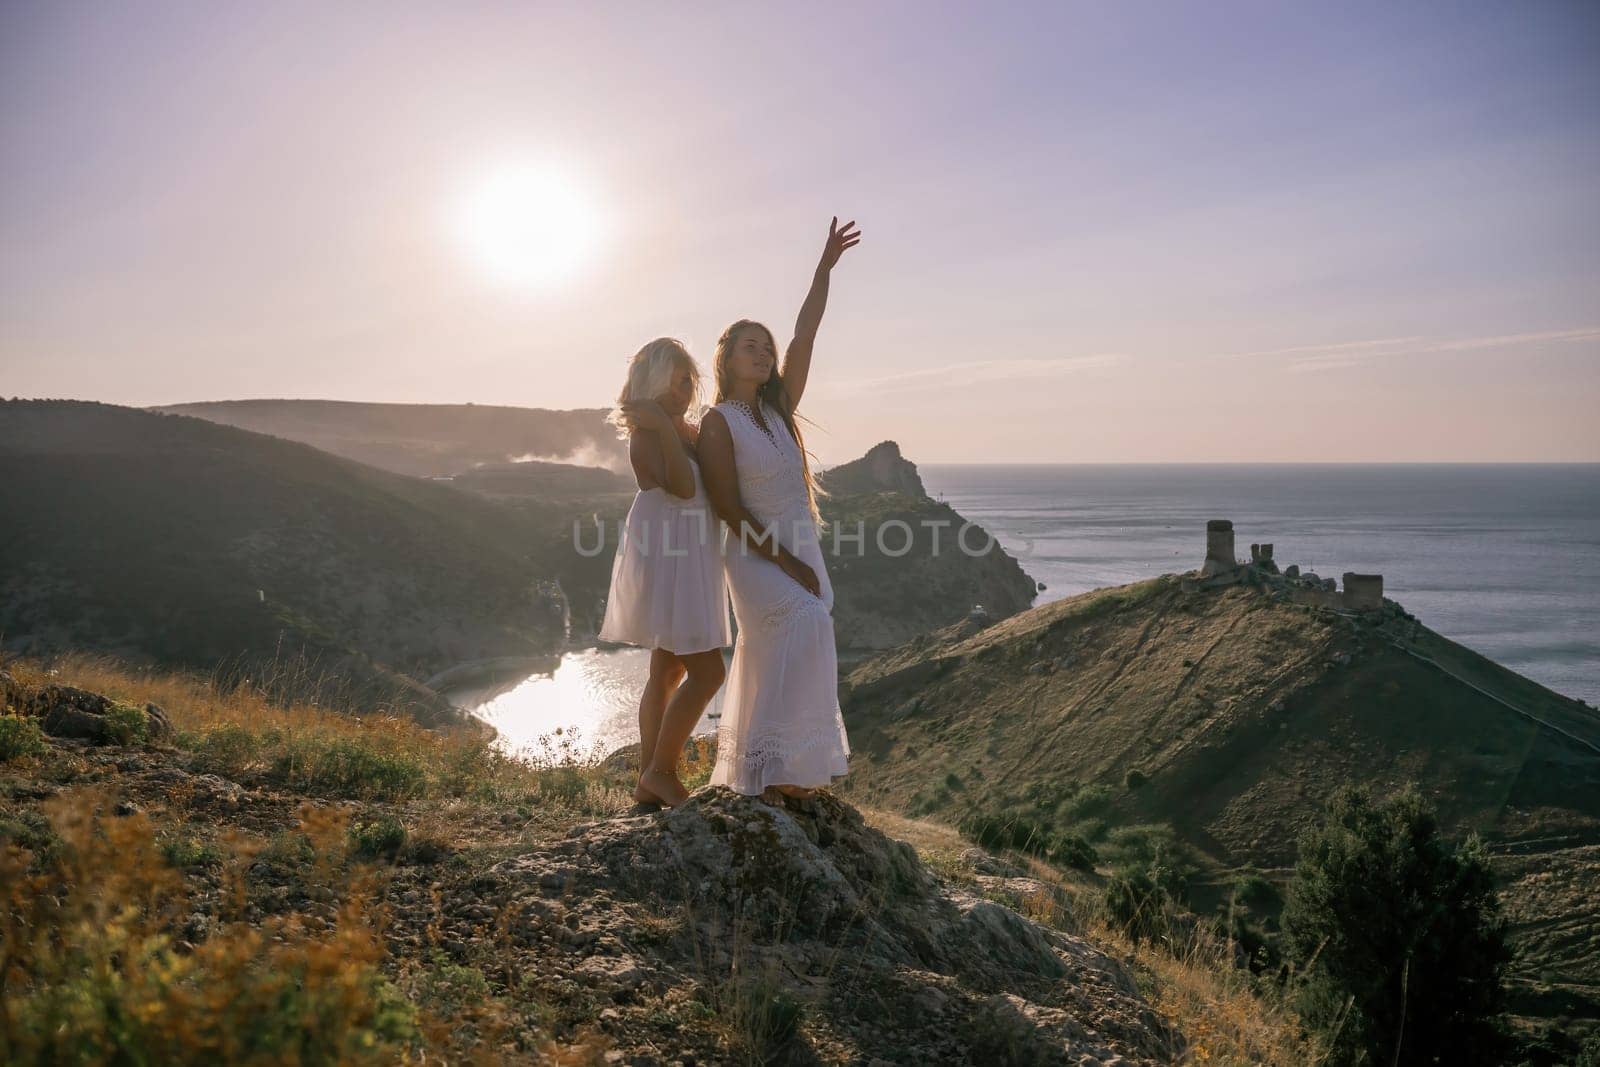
x=839 y=239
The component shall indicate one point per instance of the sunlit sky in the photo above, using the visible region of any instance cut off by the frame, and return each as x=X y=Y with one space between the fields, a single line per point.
x=1093 y=232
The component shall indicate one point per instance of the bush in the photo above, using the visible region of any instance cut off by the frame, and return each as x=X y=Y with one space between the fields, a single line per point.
x=382 y=837
x=1006 y=831
x=185 y=851
x=1136 y=904
x=1589 y=1052
x=1397 y=936
x=125 y=724
x=1256 y=892
x=1135 y=778
x=1259 y=945
x=348 y=767
x=21 y=738
x=29 y=830
x=228 y=751
x=1071 y=851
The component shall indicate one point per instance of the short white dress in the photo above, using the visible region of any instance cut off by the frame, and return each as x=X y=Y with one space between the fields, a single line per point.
x=668 y=584
x=781 y=722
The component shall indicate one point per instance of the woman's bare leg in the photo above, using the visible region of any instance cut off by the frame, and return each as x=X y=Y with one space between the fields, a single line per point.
x=705 y=675
x=666 y=671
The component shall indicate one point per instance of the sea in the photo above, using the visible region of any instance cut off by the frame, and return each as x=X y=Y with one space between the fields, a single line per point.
x=1503 y=558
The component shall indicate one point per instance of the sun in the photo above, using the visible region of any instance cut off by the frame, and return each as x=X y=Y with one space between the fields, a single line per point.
x=529 y=226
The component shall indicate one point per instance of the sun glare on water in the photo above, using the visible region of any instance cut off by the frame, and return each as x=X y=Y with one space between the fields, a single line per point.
x=529 y=227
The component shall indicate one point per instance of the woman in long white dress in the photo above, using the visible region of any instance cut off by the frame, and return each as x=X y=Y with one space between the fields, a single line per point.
x=668 y=585
x=781 y=726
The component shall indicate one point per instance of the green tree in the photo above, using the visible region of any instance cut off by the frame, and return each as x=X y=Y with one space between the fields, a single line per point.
x=1397 y=936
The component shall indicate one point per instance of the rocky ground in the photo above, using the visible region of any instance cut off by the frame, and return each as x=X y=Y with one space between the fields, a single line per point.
x=728 y=930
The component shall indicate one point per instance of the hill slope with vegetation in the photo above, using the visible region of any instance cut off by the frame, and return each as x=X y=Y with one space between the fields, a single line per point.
x=1222 y=720
x=181 y=542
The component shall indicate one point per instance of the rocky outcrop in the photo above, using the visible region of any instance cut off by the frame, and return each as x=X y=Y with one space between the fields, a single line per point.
x=879 y=954
x=68 y=712
x=882 y=468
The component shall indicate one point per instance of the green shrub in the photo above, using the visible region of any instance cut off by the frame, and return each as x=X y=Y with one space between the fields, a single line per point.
x=1137 y=904
x=1135 y=778
x=382 y=837
x=1086 y=801
x=1260 y=946
x=185 y=851
x=21 y=738
x=1067 y=850
x=1006 y=831
x=1256 y=892
x=29 y=830
x=125 y=724
x=762 y=1015
x=228 y=751
x=1397 y=936
x=348 y=767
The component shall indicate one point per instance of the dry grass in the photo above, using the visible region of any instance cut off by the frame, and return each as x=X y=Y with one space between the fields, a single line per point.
x=93 y=905
x=1189 y=976
x=93 y=973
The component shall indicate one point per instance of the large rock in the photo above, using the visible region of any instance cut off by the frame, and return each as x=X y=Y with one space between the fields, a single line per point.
x=882 y=468
x=914 y=970
x=66 y=711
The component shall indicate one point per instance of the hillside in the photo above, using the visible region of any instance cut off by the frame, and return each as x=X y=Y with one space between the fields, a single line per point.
x=181 y=542
x=432 y=901
x=1229 y=711
x=903 y=564
x=425 y=439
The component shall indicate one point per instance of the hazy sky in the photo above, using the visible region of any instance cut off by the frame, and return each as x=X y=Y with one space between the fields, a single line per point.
x=1093 y=232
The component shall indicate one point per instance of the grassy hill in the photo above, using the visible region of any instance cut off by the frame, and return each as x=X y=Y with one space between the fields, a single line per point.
x=181 y=542
x=1226 y=717
x=425 y=439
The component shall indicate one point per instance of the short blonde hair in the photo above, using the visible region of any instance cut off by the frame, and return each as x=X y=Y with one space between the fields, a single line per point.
x=650 y=374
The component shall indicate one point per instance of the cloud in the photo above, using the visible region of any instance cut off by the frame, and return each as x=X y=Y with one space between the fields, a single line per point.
x=1314 y=358
x=959 y=375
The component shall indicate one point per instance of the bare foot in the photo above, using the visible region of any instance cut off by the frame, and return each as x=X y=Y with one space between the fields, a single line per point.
x=664 y=788
x=800 y=792
x=641 y=795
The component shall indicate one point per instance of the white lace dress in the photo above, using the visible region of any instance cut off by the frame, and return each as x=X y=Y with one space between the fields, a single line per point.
x=780 y=712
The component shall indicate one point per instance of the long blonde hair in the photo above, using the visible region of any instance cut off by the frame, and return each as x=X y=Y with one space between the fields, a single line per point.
x=650 y=373
x=774 y=393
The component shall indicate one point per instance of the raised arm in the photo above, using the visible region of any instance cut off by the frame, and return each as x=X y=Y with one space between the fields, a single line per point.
x=656 y=451
x=797 y=357
x=721 y=474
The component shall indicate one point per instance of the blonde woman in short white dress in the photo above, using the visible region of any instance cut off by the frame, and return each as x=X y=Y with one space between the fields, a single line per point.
x=781 y=725
x=668 y=586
